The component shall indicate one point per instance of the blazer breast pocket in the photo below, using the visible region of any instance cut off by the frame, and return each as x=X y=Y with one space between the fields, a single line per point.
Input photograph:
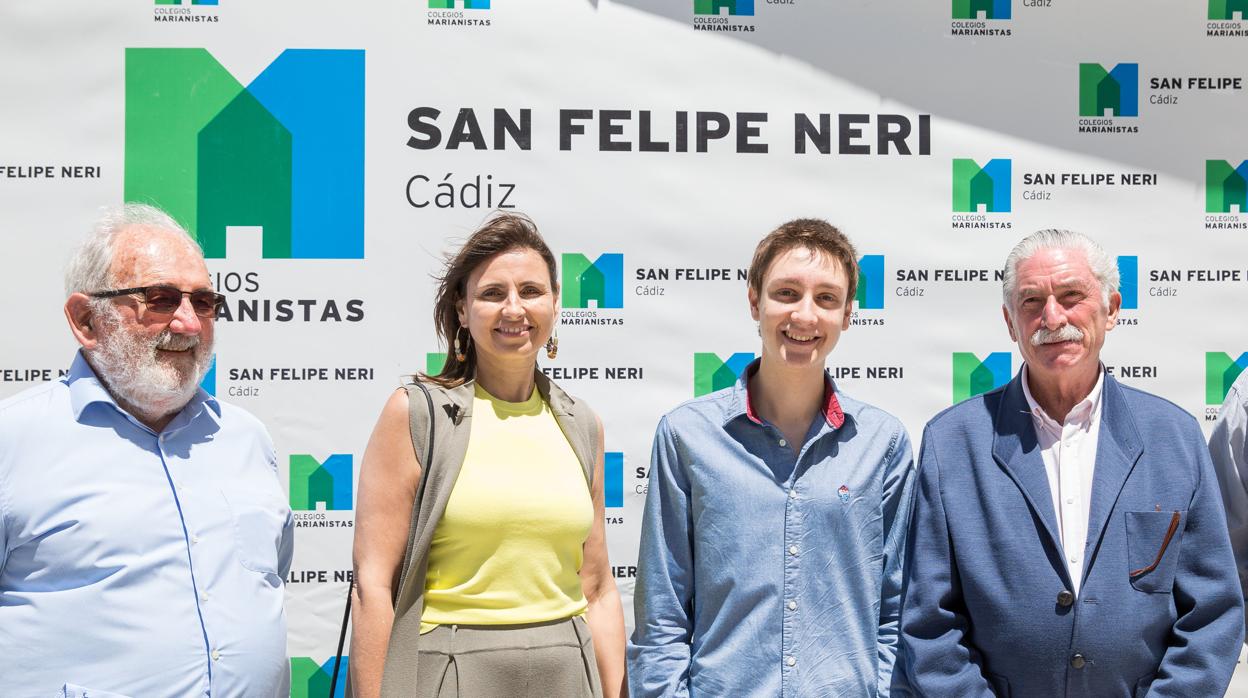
x=1153 y=549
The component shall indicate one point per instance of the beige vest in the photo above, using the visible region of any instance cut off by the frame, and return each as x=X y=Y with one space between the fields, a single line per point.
x=452 y=424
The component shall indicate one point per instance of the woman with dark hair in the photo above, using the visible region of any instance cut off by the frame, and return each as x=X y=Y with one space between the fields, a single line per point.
x=488 y=575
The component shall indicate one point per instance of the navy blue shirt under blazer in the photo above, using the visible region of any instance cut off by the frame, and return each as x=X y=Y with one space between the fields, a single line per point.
x=981 y=609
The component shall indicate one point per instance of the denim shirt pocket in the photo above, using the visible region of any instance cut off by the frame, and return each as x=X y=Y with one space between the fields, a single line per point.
x=258 y=520
x=1153 y=539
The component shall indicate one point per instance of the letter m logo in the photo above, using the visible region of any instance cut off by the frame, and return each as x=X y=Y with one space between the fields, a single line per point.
x=311 y=680
x=972 y=377
x=744 y=8
x=314 y=483
x=1220 y=373
x=601 y=281
x=710 y=373
x=284 y=154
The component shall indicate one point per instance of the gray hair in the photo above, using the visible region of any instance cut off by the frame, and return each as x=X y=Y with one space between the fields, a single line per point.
x=1103 y=266
x=89 y=266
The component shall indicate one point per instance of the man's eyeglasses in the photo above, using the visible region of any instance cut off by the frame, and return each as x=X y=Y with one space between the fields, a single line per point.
x=165 y=299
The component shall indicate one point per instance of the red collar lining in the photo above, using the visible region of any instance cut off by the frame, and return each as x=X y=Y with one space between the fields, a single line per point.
x=832 y=411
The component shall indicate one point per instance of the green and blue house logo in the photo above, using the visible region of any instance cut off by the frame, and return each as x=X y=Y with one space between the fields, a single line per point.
x=1129 y=281
x=464 y=4
x=987 y=186
x=311 y=680
x=193 y=2
x=981 y=9
x=285 y=153
x=972 y=377
x=711 y=373
x=1220 y=373
x=327 y=483
x=1226 y=187
x=613 y=479
x=600 y=283
x=1226 y=9
x=1115 y=90
x=870 y=292
x=740 y=8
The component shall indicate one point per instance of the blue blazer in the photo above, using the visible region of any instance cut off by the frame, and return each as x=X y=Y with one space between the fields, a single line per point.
x=986 y=605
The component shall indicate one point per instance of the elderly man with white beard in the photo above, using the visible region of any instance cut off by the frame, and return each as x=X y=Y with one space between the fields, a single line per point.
x=143 y=535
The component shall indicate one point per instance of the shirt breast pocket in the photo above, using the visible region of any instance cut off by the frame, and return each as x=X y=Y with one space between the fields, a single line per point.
x=1153 y=549
x=259 y=518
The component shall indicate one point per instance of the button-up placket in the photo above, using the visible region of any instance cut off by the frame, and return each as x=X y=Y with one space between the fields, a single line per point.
x=192 y=529
x=794 y=533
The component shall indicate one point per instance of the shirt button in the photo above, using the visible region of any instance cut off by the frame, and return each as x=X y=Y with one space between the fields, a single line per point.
x=792 y=605
x=784 y=443
x=1078 y=661
x=1070 y=501
x=204 y=597
x=790 y=660
x=792 y=549
x=215 y=655
x=792 y=494
x=194 y=540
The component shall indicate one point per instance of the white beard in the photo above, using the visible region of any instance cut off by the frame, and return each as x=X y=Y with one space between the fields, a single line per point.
x=128 y=366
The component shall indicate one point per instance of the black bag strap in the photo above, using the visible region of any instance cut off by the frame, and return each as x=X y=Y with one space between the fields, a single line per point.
x=415 y=417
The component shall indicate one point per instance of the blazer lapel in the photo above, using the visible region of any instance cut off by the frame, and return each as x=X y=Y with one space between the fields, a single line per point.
x=1118 y=448
x=1016 y=449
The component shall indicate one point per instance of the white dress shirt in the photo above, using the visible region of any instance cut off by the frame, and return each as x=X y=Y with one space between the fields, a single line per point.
x=1228 y=445
x=1069 y=452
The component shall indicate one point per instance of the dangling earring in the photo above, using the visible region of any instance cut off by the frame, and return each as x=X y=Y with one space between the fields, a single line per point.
x=552 y=344
x=461 y=353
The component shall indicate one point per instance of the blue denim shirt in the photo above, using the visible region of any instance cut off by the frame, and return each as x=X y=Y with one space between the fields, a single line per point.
x=768 y=573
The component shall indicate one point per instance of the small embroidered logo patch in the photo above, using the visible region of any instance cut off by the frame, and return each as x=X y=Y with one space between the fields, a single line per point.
x=844 y=493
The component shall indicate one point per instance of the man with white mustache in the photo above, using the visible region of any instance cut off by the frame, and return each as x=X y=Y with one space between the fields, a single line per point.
x=144 y=539
x=1068 y=535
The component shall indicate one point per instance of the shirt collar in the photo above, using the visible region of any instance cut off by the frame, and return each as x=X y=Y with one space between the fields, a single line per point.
x=1083 y=412
x=743 y=403
x=85 y=389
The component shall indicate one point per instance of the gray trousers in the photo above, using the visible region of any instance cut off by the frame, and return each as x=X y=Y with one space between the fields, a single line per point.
x=537 y=660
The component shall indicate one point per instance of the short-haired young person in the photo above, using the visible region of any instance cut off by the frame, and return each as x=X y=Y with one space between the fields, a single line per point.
x=770 y=559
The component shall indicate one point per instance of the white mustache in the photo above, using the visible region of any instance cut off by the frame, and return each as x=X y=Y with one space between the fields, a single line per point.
x=176 y=342
x=1068 y=333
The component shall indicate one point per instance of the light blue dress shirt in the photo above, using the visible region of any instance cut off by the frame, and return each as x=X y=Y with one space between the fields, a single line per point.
x=134 y=563
x=768 y=573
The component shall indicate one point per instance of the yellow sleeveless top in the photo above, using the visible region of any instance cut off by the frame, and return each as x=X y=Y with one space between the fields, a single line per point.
x=508 y=548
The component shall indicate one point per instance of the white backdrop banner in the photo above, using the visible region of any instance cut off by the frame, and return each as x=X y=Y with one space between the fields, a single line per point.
x=327 y=154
